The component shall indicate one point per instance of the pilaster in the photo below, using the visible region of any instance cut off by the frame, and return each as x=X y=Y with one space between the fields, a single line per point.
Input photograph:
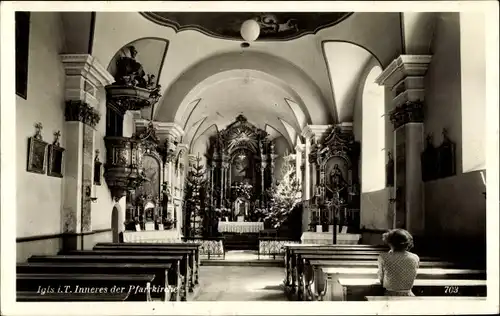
x=405 y=79
x=85 y=76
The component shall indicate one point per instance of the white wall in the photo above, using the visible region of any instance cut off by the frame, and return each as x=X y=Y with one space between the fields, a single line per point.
x=39 y=196
x=457 y=103
x=473 y=77
x=373 y=131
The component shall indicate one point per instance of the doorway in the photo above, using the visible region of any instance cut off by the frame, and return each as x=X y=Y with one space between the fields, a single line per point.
x=115 y=224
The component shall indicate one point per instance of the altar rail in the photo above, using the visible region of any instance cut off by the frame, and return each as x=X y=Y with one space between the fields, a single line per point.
x=210 y=247
x=273 y=246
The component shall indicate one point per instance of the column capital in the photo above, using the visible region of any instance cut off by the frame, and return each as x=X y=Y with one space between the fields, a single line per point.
x=87 y=66
x=163 y=130
x=84 y=76
x=402 y=67
x=299 y=148
x=170 y=129
x=315 y=131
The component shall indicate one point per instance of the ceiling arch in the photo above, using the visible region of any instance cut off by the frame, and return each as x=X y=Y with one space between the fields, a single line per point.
x=234 y=87
x=346 y=64
x=299 y=86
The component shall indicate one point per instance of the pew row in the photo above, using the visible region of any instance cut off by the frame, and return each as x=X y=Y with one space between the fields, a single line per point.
x=357 y=289
x=180 y=272
x=290 y=258
x=424 y=298
x=162 y=284
x=195 y=247
x=34 y=296
x=187 y=262
x=137 y=287
x=310 y=262
x=323 y=283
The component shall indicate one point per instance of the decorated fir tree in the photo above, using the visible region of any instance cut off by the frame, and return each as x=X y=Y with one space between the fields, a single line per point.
x=193 y=199
x=285 y=197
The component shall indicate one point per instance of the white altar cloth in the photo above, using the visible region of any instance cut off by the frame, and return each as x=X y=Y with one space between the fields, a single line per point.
x=240 y=227
x=152 y=236
x=327 y=238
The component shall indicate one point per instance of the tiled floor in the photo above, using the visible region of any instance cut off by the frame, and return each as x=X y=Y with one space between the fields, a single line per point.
x=240 y=283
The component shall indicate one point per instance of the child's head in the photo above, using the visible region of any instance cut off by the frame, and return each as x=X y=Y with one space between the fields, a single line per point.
x=398 y=239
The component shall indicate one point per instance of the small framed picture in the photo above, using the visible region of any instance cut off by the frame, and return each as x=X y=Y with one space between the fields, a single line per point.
x=56 y=157
x=37 y=153
x=97 y=172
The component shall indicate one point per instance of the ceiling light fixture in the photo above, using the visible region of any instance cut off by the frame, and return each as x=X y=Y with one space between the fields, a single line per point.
x=250 y=30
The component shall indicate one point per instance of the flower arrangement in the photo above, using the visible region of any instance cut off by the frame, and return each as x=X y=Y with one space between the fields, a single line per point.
x=168 y=222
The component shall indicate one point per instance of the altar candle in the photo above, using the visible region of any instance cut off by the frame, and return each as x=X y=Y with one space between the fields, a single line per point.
x=482 y=177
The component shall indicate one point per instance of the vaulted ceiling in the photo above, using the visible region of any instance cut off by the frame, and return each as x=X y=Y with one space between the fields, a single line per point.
x=275 y=26
x=303 y=70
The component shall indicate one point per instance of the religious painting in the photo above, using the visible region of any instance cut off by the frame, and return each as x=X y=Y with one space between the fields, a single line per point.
x=242 y=166
x=151 y=167
x=97 y=172
x=56 y=155
x=37 y=153
x=336 y=178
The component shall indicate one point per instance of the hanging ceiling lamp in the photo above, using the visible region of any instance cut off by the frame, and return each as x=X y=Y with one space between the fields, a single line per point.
x=250 y=30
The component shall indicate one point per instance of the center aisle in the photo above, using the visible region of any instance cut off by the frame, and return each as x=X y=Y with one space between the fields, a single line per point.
x=235 y=283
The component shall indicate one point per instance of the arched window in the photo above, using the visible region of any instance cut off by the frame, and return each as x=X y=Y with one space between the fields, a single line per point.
x=373 y=134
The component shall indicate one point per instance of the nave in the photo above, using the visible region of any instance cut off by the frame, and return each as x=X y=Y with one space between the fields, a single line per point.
x=180 y=272
x=228 y=156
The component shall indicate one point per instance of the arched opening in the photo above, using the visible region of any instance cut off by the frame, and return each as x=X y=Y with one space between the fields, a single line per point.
x=115 y=224
x=373 y=134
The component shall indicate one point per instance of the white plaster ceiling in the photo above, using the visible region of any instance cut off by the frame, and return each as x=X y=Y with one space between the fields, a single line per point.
x=346 y=63
x=202 y=75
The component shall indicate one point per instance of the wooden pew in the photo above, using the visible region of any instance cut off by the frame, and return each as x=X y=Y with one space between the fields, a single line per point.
x=425 y=298
x=136 y=285
x=290 y=257
x=357 y=289
x=33 y=296
x=157 y=246
x=311 y=263
x=187 y=258
x=165 y=277
x=180 y=271
x=194 y=254
x=329 y=287
x=300 y=260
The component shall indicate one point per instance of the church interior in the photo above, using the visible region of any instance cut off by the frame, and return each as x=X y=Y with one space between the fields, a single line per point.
x=173 y=148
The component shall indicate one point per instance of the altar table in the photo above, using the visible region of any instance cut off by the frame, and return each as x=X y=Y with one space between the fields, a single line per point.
x=240 y=227
x=157 y=236
x=327 y=238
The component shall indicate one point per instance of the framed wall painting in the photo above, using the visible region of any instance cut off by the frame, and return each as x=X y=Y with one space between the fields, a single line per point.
x=97 y=168
x=56 y=157
x=37 y=154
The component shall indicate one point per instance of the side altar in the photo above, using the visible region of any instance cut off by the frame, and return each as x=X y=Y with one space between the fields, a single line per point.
x=334 y=208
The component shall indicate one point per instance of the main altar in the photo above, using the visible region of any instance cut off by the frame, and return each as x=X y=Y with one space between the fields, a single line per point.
x=241 y=162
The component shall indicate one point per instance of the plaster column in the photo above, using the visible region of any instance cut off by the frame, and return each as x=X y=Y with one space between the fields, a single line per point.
x=85 y=80
x=298 y=161
x=405 y=78
x=312 y=134
x=169 y=135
